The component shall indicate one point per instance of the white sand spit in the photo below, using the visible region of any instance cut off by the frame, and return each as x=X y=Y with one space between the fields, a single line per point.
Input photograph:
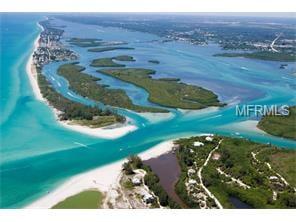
x=101 y=178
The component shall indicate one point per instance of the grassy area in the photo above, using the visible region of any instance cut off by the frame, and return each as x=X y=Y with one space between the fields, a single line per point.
x=105 y=62
x=282 y=126
x=76 y=112
x=92 y=42
x=235 y=159
x=283 y=161
x=103 y=49
x=165 y=92
x=88 y=86
x=90 y=199
x=85 y=42
x=271 y=56
x=97 y=122
x=126 y=58
x=108 y=62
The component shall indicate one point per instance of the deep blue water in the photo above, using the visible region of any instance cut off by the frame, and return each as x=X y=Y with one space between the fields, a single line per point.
x=37 y=154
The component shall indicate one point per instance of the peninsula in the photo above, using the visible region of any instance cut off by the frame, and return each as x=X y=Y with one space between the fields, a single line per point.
x=88 y=86
x=282 y=126
x=108 y=62
x=166 y=92
x=264 y=55
x=73 y=115
x=93 y=42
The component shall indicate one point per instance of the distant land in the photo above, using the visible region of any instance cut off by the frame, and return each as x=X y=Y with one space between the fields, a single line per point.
x=262 y=39
x=282 y=126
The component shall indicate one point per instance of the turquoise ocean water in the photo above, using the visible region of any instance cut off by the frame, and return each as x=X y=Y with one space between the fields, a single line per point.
x=37 y=154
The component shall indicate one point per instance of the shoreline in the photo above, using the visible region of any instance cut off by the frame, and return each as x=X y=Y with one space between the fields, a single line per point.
x=108 y=132
x=101 y=178
x=246 y=126
x=199 y=112
x=32 y=72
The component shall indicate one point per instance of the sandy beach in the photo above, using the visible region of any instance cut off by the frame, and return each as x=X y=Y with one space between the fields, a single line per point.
x=32 y=73
x=110 y=132
x=101 y=178
x=105 y=132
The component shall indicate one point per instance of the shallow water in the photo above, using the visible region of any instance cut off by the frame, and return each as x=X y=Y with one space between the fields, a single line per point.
x=37 y=154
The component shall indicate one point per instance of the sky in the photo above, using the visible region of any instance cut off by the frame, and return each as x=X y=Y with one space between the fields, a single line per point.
x=149 y=6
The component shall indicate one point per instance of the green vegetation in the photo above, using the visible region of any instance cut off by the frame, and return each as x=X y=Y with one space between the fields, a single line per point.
x=88 y=86
x=105 y=62
x=128 y=185
x=124 y=58
x=108 y=62
x=282 y=160
x=189 y=156
x=76 y=112
x=181 y=191
x=282 y=126
x=235 y=158
x=245 y=35
x=103 y=49
x=90 y=199
x=96 y=122
x=166 y=93
x=170 y=79
x=151 y=180
x=154 y=61
x=263 y=55
x=85 y=42
x=92 y=42
x=134 y=162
